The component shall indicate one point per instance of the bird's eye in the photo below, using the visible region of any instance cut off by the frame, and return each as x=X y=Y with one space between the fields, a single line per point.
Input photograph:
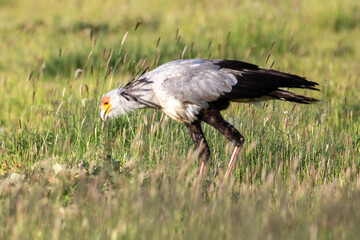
x=106 y=101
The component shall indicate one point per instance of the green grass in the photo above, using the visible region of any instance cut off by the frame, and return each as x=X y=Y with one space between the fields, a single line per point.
x=65 y=174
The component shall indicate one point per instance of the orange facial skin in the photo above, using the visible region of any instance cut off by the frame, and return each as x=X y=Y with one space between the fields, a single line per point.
x=105 y=101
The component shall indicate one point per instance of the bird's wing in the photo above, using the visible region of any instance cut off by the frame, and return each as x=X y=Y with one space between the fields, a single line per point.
x=196 y=81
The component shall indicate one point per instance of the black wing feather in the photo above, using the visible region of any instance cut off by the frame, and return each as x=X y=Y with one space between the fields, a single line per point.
x=255 y=82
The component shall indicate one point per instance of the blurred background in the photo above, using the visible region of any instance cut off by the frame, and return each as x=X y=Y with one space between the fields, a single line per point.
x=66 y=174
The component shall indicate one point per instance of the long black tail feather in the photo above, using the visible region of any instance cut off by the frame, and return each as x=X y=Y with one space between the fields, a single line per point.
x=292 y=97
x=257 y=83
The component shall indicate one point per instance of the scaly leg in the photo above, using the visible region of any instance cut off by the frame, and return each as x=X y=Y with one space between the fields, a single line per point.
x=232 y=161
x=214 y=118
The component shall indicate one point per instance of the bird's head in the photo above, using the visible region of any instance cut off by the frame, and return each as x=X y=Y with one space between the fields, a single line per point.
x=105 y=108
x=114 y=103
x=109 y=105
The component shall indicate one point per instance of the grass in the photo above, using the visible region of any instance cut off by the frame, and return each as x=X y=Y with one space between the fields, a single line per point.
x=64 y=174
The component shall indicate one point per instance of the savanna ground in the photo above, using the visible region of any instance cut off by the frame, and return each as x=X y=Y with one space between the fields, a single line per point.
x=65 y=174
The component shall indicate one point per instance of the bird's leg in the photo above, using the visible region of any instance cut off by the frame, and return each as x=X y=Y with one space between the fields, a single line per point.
x=232 y=160
x=214 y=118
x=199 y=140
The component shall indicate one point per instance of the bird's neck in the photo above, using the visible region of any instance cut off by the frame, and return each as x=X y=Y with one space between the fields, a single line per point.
x=129 y=104
x=133 y=100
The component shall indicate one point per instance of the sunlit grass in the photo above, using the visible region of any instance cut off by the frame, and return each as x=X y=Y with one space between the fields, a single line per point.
x=65 y=174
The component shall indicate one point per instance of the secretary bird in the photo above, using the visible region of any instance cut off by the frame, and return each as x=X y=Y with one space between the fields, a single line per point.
x=192 y=91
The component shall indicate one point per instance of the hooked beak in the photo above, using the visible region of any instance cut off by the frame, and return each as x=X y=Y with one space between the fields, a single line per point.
x=104 y=112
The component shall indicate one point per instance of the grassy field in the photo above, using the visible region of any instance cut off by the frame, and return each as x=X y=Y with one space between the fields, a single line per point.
x=65 y=174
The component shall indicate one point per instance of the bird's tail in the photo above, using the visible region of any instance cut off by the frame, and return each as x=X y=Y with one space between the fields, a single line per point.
x=291 y=97
x=257 y=84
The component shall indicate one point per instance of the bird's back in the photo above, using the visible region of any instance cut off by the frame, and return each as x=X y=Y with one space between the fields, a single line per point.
x=184 y=87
